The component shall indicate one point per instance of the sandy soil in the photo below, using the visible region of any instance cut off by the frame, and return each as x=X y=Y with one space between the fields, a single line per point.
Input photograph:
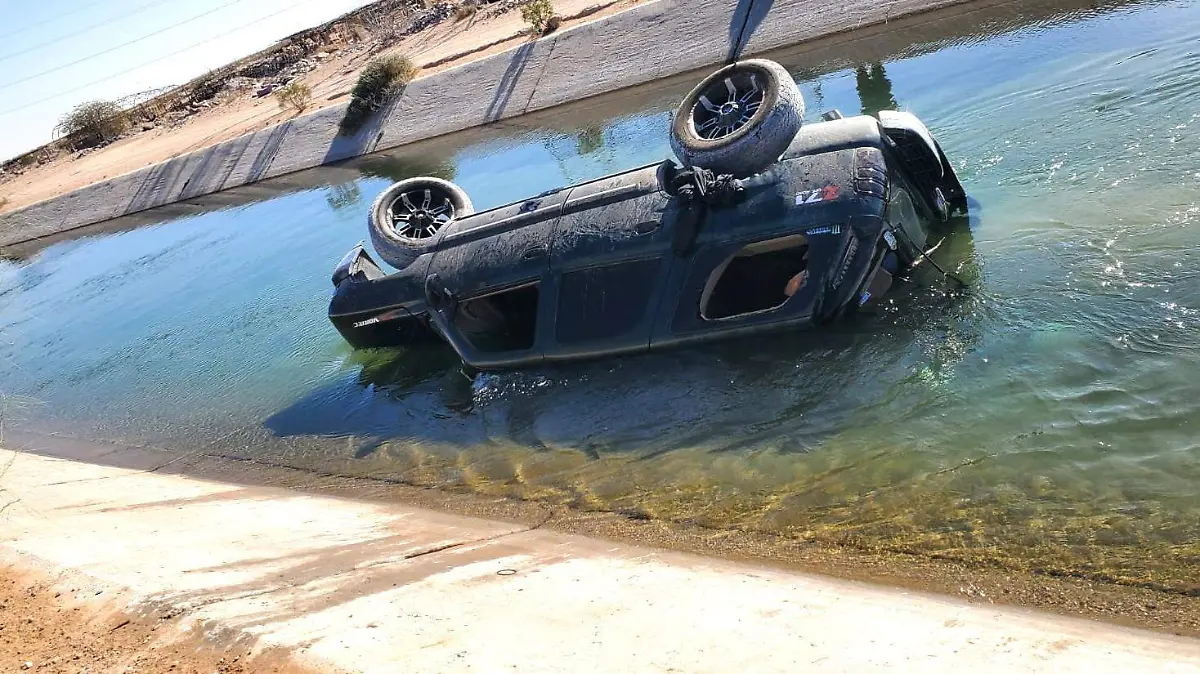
x=42 y=630
x=440 y=47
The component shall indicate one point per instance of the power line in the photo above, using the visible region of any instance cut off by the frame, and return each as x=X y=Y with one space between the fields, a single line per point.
x=174 y=53
x=60 y=38
x=110 y=50
x=56 y=17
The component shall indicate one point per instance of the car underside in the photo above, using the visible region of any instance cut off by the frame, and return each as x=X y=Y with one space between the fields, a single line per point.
x=662 y=255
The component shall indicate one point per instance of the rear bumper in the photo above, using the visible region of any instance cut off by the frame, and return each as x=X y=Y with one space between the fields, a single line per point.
x=372 y=310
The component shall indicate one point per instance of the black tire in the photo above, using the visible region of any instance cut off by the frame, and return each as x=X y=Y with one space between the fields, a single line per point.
x=739 y=120
x=408 y=217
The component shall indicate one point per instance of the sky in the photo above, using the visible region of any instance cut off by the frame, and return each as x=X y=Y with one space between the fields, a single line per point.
x=56 y=54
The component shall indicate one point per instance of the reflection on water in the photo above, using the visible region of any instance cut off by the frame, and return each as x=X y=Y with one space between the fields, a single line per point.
x=874 y=88
x=1045 y=418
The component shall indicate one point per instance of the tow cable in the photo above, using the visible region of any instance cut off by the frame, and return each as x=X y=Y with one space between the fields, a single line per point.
x=928 y=255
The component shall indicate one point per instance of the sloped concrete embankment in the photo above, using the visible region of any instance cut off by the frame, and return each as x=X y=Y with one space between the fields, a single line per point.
x=643 y=44
x=352 y=586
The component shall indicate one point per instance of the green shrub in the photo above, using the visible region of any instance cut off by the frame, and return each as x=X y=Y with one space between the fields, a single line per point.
x=296 y=96
x=93 y=123
x=537 y=14
x=379 y=81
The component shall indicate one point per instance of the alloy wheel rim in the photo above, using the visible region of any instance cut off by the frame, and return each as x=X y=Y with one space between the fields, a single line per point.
x=727 y=106
x=421 y=214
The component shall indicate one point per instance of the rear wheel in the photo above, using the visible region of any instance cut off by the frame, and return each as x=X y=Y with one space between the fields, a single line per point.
x=407 y=218
x=739 y=120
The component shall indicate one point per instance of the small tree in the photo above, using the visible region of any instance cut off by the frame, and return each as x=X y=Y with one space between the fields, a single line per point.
x=296 y=96
x=380 y=80
x=537 y=14
x=94 y=123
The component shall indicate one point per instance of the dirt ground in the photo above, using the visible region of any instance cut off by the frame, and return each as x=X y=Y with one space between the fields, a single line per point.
x=44 y=630
x=446 y=45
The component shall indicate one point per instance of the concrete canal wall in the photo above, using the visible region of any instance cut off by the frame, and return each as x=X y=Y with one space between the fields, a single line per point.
x=647 y=43
x=350 y=586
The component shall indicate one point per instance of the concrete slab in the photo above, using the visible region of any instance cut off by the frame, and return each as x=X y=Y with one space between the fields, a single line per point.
x=780 y=23
x=643 y=44
x=470 y=95
x=361 y=587
x=303 y=142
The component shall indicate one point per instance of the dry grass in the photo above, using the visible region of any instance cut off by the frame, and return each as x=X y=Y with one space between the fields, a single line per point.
x=466 y=10
x=295 y=96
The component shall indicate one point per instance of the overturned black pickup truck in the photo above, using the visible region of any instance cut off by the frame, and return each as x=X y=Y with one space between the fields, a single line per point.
x=766 y=225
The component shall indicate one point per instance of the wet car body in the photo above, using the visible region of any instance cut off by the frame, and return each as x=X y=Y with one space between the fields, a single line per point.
x=622 y=264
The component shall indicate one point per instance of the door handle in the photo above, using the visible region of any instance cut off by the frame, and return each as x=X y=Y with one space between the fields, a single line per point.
x=644 y=228
x=535 y=252
x=438 y=296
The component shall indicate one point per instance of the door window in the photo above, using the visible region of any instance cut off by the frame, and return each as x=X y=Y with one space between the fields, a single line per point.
x=502 y=321
x=759 y=277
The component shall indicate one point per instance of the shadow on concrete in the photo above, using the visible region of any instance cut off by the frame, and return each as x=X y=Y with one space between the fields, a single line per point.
x=747 y=18
x=157 y=181
x=508 y=82
x=368 y=135
x=215 y=166
x=264 y=157
x=193 y=175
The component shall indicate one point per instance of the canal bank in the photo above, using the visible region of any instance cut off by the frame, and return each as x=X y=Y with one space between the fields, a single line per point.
x=353 y=586
x=1164 y=612
x=647 y=43
x=1043 y=426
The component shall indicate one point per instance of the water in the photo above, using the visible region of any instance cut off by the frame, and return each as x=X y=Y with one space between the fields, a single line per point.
x=1046 y=420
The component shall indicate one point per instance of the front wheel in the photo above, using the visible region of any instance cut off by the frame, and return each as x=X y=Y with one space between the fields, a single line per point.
x=739 y=120
x=407 y=217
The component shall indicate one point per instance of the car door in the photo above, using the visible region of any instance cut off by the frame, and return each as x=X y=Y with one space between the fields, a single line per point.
x=611 y=257
x=489 y=286
x=739 y=274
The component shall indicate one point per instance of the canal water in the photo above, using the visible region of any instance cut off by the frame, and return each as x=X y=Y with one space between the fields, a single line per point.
x=1047 y=419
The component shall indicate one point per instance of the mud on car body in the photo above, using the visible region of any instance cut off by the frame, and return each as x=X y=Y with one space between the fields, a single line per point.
x=764 y=225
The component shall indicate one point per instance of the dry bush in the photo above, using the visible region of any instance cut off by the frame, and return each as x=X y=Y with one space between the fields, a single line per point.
x=537 y=13
x=379 y=81
x=466 y=10
x=295 y=96
x=93 y=123
x=552 y=24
